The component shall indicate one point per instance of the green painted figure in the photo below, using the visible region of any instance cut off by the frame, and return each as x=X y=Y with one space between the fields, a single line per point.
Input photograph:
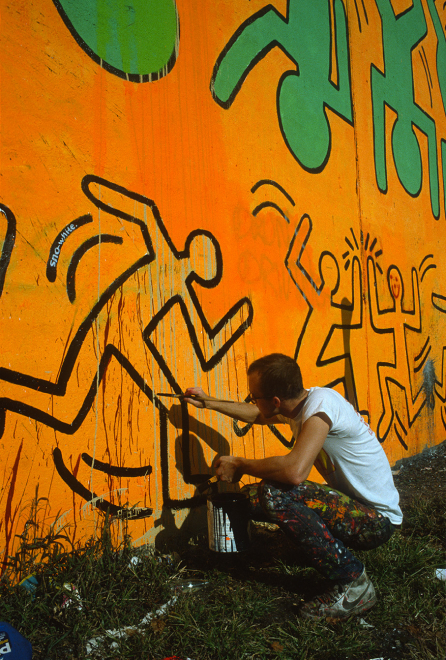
x=441 y=74
x=304 y=92
x=395 y=88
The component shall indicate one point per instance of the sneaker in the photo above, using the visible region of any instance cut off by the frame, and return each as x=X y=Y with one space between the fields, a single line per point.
x=342 y=600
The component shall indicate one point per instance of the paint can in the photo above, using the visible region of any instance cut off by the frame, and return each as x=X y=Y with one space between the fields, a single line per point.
x=229 y=522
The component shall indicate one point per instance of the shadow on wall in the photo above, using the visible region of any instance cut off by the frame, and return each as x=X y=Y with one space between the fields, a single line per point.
x=190 y=460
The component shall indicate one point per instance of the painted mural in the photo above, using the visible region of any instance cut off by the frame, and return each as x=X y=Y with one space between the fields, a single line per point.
x=185 y=187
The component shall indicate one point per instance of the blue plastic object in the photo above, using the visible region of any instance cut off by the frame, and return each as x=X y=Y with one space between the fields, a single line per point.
x=13 y=646
x=29 y=583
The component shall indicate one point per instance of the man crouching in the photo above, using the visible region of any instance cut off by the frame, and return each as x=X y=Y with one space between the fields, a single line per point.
x=358 y=507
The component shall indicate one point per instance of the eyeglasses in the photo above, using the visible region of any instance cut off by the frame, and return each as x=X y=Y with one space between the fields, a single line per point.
x=253 y=399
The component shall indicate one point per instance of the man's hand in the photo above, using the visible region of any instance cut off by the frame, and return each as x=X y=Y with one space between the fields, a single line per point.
x=195 y=392
x=229 y=469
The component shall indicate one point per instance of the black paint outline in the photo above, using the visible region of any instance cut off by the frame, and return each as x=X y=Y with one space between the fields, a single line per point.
x=115 y=470
x=270 y=182
x=79 y=253
x=8 y=243
x=272 y=205
x=59 y=387
x=51 y=270
x=101 y=504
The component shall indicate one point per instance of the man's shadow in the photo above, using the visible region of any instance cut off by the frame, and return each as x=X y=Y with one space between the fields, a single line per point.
x=267 y=548
x=192 y=465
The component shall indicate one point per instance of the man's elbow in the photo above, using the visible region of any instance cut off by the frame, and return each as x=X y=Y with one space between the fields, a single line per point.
x=298 y=476
x=296 y=481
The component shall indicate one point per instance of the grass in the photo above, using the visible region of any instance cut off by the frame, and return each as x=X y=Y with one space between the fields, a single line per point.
x=246 y=611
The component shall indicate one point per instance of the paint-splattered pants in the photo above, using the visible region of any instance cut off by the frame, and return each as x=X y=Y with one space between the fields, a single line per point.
x=322 y=522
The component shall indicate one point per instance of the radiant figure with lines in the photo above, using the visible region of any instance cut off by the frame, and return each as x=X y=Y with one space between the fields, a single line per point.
x=395 y=320
x=325 y=315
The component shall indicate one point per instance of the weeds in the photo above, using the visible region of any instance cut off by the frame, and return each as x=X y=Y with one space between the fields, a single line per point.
x=34 y=551
x=247 y=611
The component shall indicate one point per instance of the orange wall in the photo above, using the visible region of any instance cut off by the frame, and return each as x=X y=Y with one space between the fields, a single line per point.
x=163 y=228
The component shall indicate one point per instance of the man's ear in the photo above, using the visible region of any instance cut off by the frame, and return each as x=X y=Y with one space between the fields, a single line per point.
x=276 y=401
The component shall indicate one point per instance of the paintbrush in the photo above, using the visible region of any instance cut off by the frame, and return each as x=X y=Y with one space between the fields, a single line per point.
x=207 y=484
x=194 y=396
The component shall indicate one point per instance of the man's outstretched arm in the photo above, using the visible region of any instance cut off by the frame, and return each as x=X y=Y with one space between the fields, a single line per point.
x=244 y=412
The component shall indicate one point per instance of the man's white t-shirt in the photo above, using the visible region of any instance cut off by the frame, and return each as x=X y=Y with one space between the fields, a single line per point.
x=352 y=459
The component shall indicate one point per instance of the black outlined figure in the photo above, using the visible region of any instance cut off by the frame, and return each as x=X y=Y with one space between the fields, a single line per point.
x=396 y=320
x=325 y=314
x=8 y=233
x=153 y=285
x=394 y=88
x=306 y=35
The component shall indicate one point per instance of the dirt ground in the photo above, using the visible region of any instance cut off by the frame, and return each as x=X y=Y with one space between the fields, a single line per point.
x=423 y=474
